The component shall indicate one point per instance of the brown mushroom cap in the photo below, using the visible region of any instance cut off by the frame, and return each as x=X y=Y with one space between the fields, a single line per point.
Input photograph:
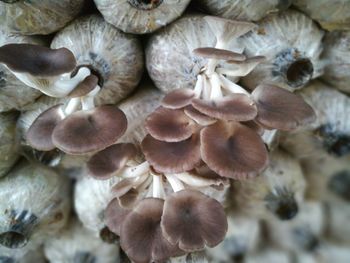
x=192 y=220
x=115 y=215
x=84 y=87
x=89 y=131
x=178 y=98
x=235 y=107
x=39 y=134
x=169 y=125
x=37 y=60
x=141 y=236
x=216 y=53
x=233 y=150
x=198 y=117
x=105 y=163
x=172 y=157
x=129 y=199
x=281 y=109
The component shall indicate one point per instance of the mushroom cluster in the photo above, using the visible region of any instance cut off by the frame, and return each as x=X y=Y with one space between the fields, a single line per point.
x=186 y=136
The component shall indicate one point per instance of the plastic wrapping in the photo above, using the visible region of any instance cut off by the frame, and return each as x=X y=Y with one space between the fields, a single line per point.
x=137 y=108
x=139 y=16
x=75 y=244
x=277 y=192
x=115 y=57
x=248 y=10
x=169 y=58
x=332 y=15
x=291 y=43
x=35 y=204
x=37 y=16
x=8 y=147
x=337 y=57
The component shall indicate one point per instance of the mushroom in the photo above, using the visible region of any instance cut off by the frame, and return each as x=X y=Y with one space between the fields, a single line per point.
x=114 y=57
x=140 y=16
x=77 y=244
x=37 y=17
x=9 y=150
x=13 y=93
x=141 y=234
x=277 y=192
x=193 y=220
x=246 y=10
x=197 y=62
x=292 y=59
x=39 y=208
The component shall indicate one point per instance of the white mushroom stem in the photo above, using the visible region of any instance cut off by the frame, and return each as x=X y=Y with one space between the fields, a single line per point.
x=158 y=188
x=175 y=183
x=87 y=101
x=216 y=92
x=196 y=181
x=72 y=106
x=134 y=171
x=231 y=86
x=142 y=187
x=58 y=87
x=199 y=86
x=206 y=88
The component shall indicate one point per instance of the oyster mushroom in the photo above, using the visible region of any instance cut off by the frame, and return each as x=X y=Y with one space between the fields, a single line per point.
x=190 y=68
x=278 y=192
x=192 y=220
x=293 y=59
x=247 y=10
x=13 y=93
x=76 y=244
x=140 y=16
x=114 y=57
x=303 y=233
x=37 y=17
x=330 y=15
x=141 y=235
x=35 y=205
x=336 y=54
x=8 y=147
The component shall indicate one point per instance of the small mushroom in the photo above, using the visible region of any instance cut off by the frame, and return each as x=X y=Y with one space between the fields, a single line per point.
x=170 y=125
x=193 y=220
x=178 y=98
x=235 y=107
x=89 y=131
x=141 y=235
x=281 y=109
x=233 y=150
x=174 y=157
x=105 y=163
x=40 y=132
x=216 y=53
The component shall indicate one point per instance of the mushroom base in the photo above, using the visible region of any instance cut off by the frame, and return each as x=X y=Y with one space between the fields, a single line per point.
x=145 y=4
x=13 y=239
x=295 y=69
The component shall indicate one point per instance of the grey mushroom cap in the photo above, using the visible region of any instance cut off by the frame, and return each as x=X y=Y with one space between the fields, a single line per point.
x=37 y=60
x=89 y=131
